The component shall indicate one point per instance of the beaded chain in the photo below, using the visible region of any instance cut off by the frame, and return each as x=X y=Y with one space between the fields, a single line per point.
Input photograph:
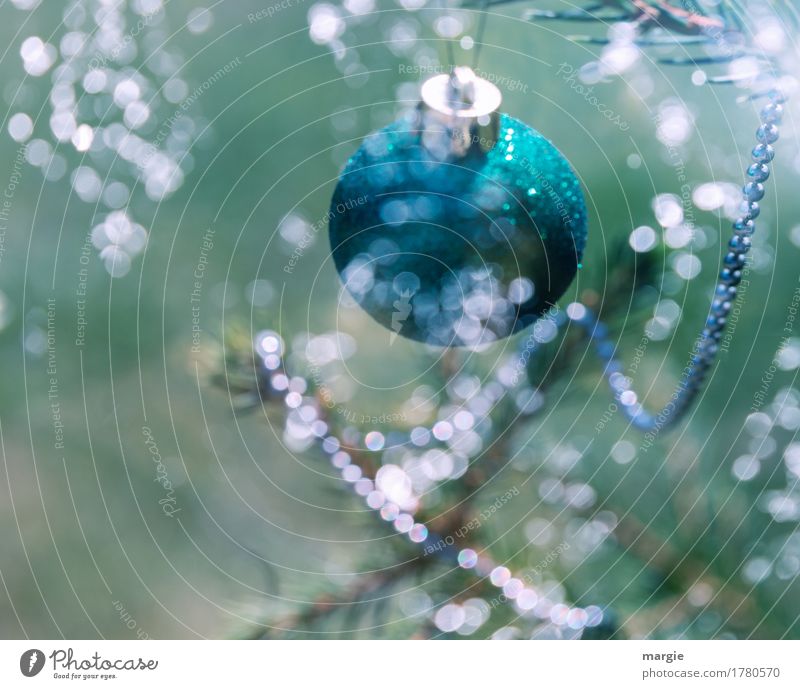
x=275 y=383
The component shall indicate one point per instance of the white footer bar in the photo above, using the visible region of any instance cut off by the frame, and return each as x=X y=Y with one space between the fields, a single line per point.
x=401 y=664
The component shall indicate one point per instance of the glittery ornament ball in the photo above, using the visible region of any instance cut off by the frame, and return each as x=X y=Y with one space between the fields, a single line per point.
x=457 y=250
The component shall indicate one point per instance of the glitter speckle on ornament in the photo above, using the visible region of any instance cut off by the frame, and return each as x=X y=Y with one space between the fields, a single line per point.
x=474 y=223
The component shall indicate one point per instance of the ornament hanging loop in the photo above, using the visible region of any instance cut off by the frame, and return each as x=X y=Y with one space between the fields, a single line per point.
x=459 y=114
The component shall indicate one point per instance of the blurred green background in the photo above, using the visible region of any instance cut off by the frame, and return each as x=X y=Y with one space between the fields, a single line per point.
x=86 y=544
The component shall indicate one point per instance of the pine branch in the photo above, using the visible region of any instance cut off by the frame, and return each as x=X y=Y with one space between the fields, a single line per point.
x=679 y=572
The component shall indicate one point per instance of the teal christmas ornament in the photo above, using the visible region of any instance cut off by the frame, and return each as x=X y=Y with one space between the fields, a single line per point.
x=456 y=225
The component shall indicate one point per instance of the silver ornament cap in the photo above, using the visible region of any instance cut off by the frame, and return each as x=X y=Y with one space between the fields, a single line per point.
x=459 y=113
